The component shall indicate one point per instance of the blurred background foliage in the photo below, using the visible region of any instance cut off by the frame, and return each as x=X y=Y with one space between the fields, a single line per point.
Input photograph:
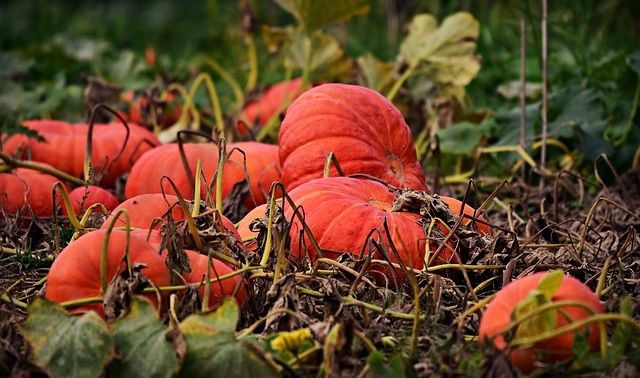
x=48 y=49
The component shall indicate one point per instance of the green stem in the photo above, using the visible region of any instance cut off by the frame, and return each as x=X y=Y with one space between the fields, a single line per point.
x=398 y=84
x=104 y=254
x=17 y=163
x=222 y=159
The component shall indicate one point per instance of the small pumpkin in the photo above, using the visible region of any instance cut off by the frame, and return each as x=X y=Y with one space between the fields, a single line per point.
x=257 y=113
x=500 y=312
x=219 y=289
x=75 y=273
x=341 y=212
x=85 y=196
x=362 y=128
x=24 y=189
x=456 y=205
x=65 y=144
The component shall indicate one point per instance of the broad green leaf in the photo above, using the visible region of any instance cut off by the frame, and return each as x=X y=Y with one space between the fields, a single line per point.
x=551 y=282
x=214 y=351
x=378 y=75
x=460 y=139
x=328 y=60
x=633 y=61
x=313 y=14
x=144 y=350
x=67 y=346
x=379 y=369
x=447 y=52
x=539 y=324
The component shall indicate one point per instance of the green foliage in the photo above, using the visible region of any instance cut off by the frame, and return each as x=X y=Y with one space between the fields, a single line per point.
x=67 y=346
x=143 y=346
x=213 y=349
x=312 y=15
x=379 y=369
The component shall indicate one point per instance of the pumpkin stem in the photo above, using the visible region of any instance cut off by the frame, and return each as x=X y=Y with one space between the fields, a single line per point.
x=187 y=214
x=105 y=247
x=331 y=158
x=228 y=78
x=71 y=213
x=196 y=192
x=213 y=96
x=88 y=169
x=222 y=159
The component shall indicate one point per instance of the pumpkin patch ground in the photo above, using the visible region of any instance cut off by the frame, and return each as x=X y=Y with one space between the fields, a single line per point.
x=337 y=188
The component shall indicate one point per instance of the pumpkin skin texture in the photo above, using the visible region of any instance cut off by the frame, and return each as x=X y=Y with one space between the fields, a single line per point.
x=219 y=290
x=498 y=315
x=145 y=208
x=262 y=168
x=65 y=146
x=456 y=205
x=83 y=197
x=24 y=188
x=75 y=273
x=341 y=212
x=363 y=129
x=257 y=113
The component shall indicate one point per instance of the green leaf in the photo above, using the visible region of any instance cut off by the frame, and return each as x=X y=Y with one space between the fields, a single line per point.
x=378 y=75
x=313 y=14
x=460 y=139
x=67 y=346
x=328 y=60
x=214 y=351
x=633 y=61
x=446 y=53
x=141 y=339
x=379 y=369
x=551 y=282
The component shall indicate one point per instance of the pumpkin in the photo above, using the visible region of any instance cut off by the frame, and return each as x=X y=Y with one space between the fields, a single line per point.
x=257 y=113
x=500 y=310
x=218 y=289
x=65 y=147
x=83 y=197
x=341 y=212
x=456 y=205
x=25 y=188
x=262 y=168
x=145 y=208
x=363 y=129
x=139 y=111
x=75 y=273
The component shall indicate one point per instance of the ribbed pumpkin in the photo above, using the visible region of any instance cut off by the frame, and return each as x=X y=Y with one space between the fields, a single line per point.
x=75 y=273
x=342 y=211
x=23 y=188
x=363 y=129
x=262 y=168
x=65 y=146
x=258 y=112
x=498 y=315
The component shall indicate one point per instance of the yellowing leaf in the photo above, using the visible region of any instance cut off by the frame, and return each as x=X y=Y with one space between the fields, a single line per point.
x=538 y=324
x=551 y=283
x=328 y=60
x=378 y=75
x=444 y=54
x=313 y=14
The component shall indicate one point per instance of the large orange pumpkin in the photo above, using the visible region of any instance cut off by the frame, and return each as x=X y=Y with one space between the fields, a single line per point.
x=363 y=129
x=498 y=315
x=341 y=212
x=262 y=168
x=75 y=273
x=65 y=145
